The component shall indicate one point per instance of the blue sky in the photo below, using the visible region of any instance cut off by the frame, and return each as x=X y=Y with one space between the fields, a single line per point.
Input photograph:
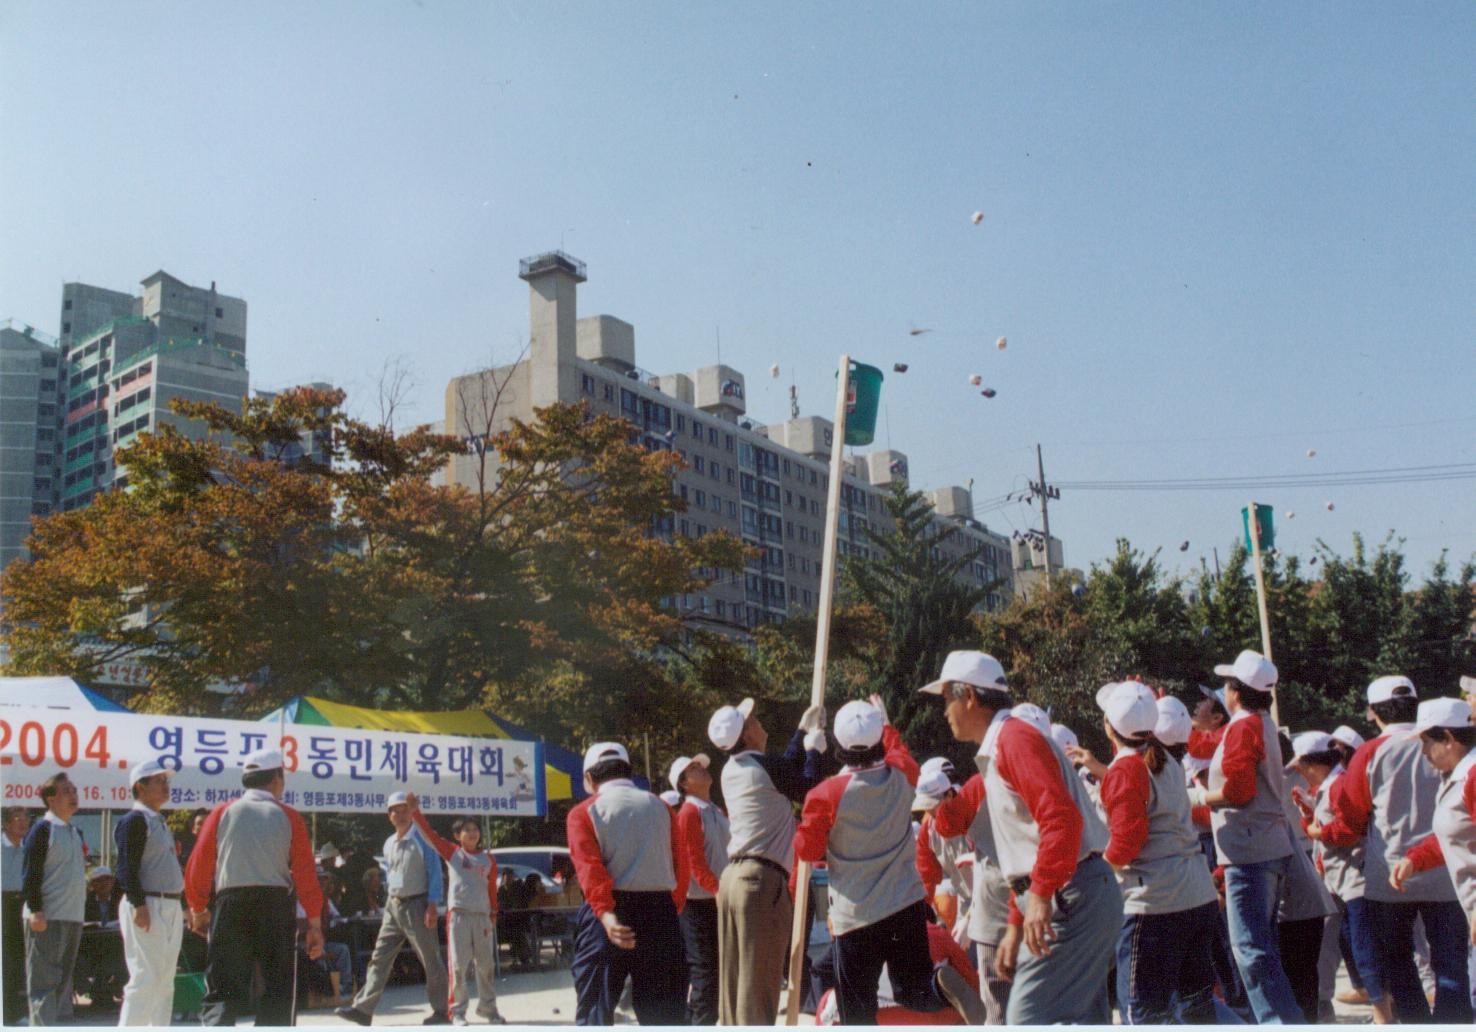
x=1216 y=235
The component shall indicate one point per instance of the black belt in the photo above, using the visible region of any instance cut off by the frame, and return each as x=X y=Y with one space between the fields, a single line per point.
x=410 y=899
x=761 y=860
x=165 y=895
x=1020 y=886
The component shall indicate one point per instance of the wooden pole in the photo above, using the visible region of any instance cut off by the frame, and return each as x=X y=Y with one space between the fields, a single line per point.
x=1255 y=536
x=800 y=930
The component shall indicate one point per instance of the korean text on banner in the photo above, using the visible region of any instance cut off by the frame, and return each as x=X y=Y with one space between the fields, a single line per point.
x=329 y=769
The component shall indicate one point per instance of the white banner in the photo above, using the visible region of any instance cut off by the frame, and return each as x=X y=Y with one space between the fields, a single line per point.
x=329 y=769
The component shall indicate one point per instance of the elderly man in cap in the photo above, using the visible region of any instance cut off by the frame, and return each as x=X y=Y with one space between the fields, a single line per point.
x=55 y=900
x=703 y=831
x=416 y=890
x=631 y=865
x=1048 y=839
x=754 y=906
x=153 y=886
x=1387 y=801
x=251 y=854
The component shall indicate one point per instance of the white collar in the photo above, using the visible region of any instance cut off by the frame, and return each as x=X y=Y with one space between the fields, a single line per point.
x=1390 y=729
x=701 y=804
x=54 y=819
x=1122 y=753
x=261 y=795
x=991 y=737
x=139 y=804
x=615 y=782
x=1241 y=714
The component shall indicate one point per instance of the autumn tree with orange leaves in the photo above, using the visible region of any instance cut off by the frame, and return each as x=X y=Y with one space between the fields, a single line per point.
x=230 y=560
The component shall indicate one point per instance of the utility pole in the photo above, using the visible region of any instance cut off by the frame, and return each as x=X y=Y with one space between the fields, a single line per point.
x=1045 y=493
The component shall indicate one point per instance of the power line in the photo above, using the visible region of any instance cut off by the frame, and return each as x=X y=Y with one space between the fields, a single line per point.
x=1348 y=478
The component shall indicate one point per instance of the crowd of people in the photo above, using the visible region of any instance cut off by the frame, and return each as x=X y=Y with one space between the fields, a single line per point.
x=1214 y=869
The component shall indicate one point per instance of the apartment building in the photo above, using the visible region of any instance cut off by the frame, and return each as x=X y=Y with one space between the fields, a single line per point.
x=764 y=484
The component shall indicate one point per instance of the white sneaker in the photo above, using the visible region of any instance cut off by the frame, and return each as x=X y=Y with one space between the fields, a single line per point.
x=457 y=1019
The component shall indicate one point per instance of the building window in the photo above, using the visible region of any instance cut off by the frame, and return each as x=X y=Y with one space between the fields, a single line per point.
x=67 y=305
x=729 y=445
x=66 y=327
x=712 y=436
x=684 y=527
x=609 y=392
x=698 y=463
x=220 y=313
x=696 y=429
x=681 y=423
x=588 y=383
x=48 y=385
x=732 y=509
x=702 y=499
x=702 y=530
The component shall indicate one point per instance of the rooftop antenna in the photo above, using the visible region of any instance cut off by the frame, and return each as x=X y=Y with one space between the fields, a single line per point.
x=793 y=402
x=717 y=332
x=887 y=414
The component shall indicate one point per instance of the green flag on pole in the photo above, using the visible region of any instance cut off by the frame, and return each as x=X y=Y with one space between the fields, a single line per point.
x=863 y=396
x=1265 y=530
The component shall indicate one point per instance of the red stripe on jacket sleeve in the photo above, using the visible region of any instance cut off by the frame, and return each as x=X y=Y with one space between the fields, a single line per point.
x=492 y=884
x=818 y=817
x=955 y=815
x=898 y=755
x=443 y=846
x=1426 y=854
x=200 y=871
x=1244 y=749
x=1351 y=799
x=694 y=843
x=928 y=867
x=681 y=863
x=1028 y=765
x=1202 y=744
x=1126 y=790
x=589 y=862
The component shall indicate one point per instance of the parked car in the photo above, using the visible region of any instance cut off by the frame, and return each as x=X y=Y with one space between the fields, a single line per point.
x=557 y=884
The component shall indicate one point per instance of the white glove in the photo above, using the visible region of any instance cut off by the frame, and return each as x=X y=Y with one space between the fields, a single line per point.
x=813 y=719
x=815 y=741
x=877 y=701
x=1197 y=795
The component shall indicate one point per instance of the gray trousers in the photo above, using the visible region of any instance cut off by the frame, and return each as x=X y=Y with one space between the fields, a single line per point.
x=50 y=957
x=470 y=943
x=404 y=919
x=1069 y=985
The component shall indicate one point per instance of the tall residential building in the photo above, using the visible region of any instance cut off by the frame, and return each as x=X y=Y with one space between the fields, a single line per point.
x=764 y=484
x=30 y=364
x=126 y=358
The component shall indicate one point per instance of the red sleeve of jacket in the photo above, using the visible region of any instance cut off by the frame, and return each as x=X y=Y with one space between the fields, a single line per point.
x=1202 y=744
x=443 y=846
x=492 y=883
x=304 y=869
x=1244 y=749
x=681 y=863
x=1200 y=815
x=818 y=817
x=1426 y=854
x=589 y=863
x=928 y=867
x=1351 y=799
x=1015 y=916
x=1126 y=790
x=1028 y=765
x=954 y=816
x=898 y=755
x=200 y=871
x=694 y=843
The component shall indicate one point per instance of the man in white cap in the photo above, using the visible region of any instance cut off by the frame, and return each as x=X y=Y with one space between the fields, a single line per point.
x=624 y=846
x=754 y=906
x=943 y=859
x=151 y=914
x=858 y=822
x=55 y=899
x=1048 y=840
x=702 y=829
x=251 y=854
x=416 y=891
x=1387 y=800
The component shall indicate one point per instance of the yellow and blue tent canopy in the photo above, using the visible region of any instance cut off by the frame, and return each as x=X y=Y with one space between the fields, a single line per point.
x=563 y=770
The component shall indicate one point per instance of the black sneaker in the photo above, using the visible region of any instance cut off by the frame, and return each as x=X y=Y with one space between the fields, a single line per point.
x=358 y=1017
x=953 y=988
x=437 y=1018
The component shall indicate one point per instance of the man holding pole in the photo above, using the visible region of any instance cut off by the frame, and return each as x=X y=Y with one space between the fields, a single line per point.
x=753 y=904
x=1049 y=842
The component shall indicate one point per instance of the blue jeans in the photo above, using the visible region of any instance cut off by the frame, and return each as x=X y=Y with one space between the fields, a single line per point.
x=1069 y=985
x=1251 y=894
x=1392 y=925
x=1164 y=971
x=1365 y=950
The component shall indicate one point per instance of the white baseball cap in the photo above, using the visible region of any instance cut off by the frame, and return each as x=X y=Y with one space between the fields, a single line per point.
x=1174 y=722
x=1443 y=713
x=671 y=797
x=100 y=871
x=858 y=725
x=1468 y=685
x=604 y=751
x=1033 y=715
x=1395 y=686
x=327 y=851
x=147 y=769
x=1311 y=742
x=979 y=669
x=263 y=759
x=1064 y=736
x=1345 y=734
x=1130 y=707
x=931 y=788
x=396 y=799
x=1218 y=694
x=942 y=763
x=1251 y=669
x=681 y=763
x=726 y=725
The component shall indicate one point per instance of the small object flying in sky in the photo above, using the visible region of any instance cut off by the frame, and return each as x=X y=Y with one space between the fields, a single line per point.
x=977 y=217
x=915 y=332
x=774 y=370
x=988 y=392
x=1312 y=561
x=1001 y=343
x=1184 y=547
x=899 y=367
x=1291 y=514
x=1330 y=507
x=1311 y=453
x=975 y=379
